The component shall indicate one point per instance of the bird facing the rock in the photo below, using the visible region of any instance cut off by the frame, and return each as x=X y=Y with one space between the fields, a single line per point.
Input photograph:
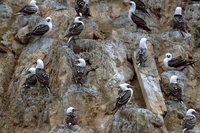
x=142 y=53
x=189 y=120
x=42 y=75
x=71 y=118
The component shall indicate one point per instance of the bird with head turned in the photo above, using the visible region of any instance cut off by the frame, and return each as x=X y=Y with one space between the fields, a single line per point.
x=71 y=118
x=142 y=53
x=42 y=75
x=124 y=97
x=189 y=120
x=175 y=89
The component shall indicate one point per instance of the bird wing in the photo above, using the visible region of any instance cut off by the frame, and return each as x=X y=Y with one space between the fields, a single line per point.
x=137 y=20
x=141 y=56
x=40 y=29
x=139 y=3
x=28 y=9
x=179 y=22
x=75 y=29
x=42 y=76
x=124 y=97
x=189 y=122
x=30 y=81
x=178 y=62
x=176 y=90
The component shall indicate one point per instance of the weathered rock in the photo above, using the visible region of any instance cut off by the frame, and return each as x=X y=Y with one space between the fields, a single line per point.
x=136 y=120
x=5 y=12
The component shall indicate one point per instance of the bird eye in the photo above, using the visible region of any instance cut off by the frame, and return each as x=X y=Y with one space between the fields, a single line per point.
x=48 y=20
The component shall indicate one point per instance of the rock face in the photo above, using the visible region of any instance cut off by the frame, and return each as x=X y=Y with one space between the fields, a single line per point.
x=107 y=44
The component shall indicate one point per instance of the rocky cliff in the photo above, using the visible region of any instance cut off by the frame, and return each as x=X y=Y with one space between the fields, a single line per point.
x=107 y=44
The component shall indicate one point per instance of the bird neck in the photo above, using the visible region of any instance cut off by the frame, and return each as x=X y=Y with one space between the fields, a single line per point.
x=80 y=22
x=165 y=62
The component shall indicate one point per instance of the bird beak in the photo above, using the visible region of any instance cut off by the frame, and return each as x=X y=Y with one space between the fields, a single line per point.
x=130 y=86
x=129 y=2
x=76 y=110
x=38 y=4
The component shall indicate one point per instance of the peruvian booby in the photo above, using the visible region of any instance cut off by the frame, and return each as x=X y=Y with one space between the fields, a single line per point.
x=30 y=9
x=142 y=53
x=175 y=88
x=42 y=29
x=140 y=23
x=71 y=118
x=189 y=120
x=42 y=75
x=124 y=97
x=80 y=71
x=141 y=6
x=75 y=28
x=32 y=79
x=178 y=21
x=176 y=63
x=82 y=6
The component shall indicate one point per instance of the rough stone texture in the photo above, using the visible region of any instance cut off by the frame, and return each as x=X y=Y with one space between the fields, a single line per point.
x=107 y=44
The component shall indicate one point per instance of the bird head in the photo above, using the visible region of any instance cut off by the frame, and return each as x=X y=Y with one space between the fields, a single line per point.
x=48 y=19
x=178 y=11
x=168 y=55
x=81 y=63
x=32 y=70
x=33 y=2
x=71 y=110
x=173 y=79
x=191 y=112
x=40 y=64
x=143 y=43
x=78 y=19
x=125 y=86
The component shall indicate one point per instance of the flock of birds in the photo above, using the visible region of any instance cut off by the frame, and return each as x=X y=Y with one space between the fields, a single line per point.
x=38 y=73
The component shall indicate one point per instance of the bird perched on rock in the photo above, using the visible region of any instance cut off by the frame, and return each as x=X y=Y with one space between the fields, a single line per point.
x=176 y=63
x=80 y=71
x=175 y=88
x=32 y=79
x=82 y=6
x=141 y=6
x=42 y=29
x=30 y=9
x=140 y=23
x=189 y=120
x=124 y=97
x=71 y=118
x=75 y=28
x=42 y=75
x=142 y=53
x=178 y=21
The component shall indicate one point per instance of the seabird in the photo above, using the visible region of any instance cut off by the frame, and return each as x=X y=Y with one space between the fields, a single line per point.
x=124 y=96
x=141 y=6
x=30 y=9
x=142 y=53
x=42 y=29
x=75 y=28
x=32 y=79
x=178 y=20
x=176 y=63
x=42 y=75
x=175 y=88
x=82 y=6
x=71 y=118
x=189 y=120
x=140 y=23
x=80 y=72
